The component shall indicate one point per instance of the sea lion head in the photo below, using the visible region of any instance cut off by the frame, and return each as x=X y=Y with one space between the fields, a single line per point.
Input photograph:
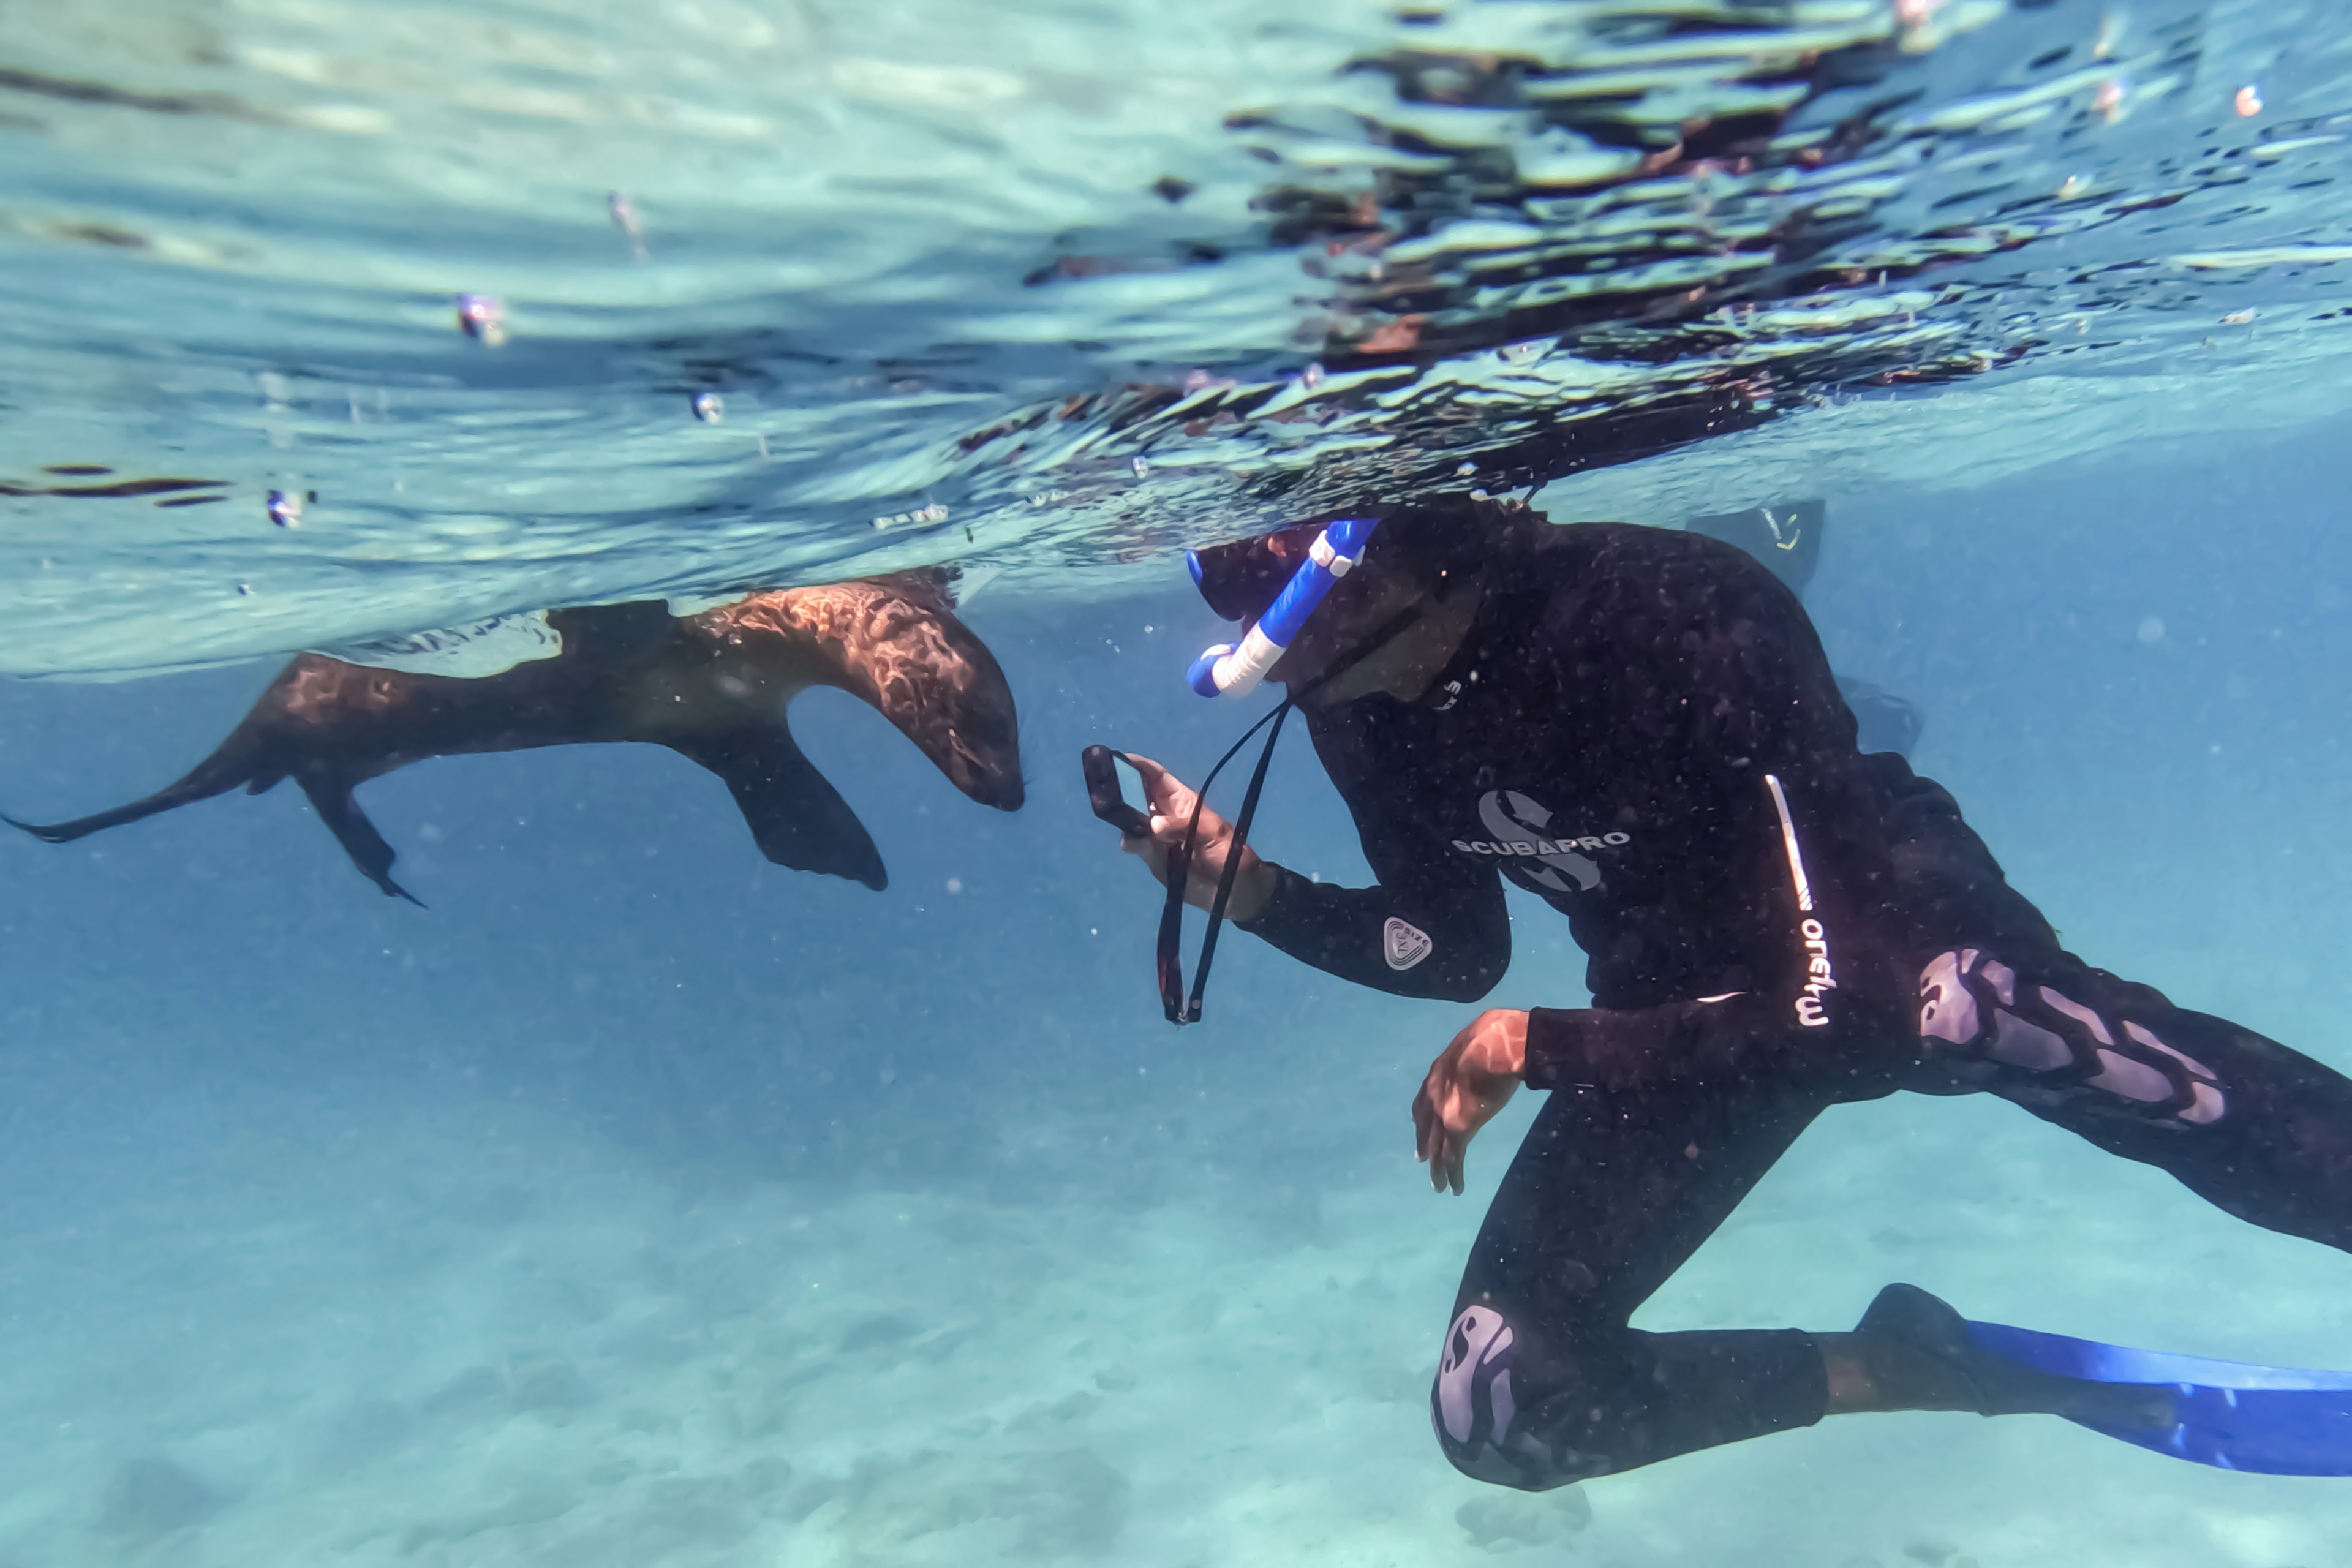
x=896 y=643
x=941 y=686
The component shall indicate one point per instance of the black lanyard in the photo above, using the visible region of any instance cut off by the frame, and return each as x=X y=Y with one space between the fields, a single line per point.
x=1172 y=999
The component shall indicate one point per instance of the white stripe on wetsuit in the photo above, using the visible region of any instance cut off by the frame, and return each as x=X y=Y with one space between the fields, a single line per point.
x=1810 y=1011
x=1789 y=841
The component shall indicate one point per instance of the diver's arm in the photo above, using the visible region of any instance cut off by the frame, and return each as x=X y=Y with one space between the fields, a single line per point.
x=1433 y=926
x=1638 y=1048
x=1448 y=940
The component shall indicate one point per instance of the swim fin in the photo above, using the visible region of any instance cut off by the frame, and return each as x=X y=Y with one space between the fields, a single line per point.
x=2275 y=1420
x=2283 y=1421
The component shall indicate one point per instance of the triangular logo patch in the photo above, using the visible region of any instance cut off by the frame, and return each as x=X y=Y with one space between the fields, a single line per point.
x=1405 y=945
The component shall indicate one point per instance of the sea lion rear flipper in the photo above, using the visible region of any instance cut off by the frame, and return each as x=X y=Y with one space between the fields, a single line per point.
x=229 y=766
x=796 y=817
x=331 y=797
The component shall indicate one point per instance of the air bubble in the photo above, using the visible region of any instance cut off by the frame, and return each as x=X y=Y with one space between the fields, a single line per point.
x=625 y=219
x=285 y=509
x=709 y=407
x=483 y=318
x=1142 y=467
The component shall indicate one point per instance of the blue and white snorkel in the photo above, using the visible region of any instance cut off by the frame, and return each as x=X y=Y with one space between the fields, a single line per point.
x=1226 y=670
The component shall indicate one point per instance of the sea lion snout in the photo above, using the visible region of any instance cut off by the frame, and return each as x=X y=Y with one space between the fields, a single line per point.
x=989 y=770
x=974 y=737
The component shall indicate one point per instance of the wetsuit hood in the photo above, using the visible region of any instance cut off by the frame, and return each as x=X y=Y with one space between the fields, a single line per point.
x=1239 y=579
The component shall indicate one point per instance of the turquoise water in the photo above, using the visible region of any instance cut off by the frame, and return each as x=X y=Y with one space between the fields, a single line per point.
x=641 y=1202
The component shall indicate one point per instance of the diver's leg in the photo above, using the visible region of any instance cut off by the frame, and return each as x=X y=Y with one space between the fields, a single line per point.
x=2261 y=1131
x=1540 y=1382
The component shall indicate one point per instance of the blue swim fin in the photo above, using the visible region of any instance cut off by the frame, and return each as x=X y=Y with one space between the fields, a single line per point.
x=2276 y=1420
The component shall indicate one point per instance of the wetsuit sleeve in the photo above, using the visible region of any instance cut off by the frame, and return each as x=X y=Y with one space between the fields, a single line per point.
x=1432 y=926
x=1644 y=1047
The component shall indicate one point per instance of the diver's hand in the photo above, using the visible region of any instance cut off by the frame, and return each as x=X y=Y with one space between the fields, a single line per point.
x=1168 y=804
x=1473 y=1078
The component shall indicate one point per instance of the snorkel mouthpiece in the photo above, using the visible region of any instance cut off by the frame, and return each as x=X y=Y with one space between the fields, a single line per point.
x=1226 y=670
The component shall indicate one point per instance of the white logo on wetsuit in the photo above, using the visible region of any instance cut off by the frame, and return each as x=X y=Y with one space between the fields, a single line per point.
x=1404 y=944
x=1517 y=824
x=1819 y=977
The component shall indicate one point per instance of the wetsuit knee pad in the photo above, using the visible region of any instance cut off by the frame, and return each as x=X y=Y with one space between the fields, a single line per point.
x=2039 y=1046
x=1475 y=1408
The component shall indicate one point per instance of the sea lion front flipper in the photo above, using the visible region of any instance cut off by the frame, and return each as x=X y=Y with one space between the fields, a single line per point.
x=796 y=815
x=331 y=797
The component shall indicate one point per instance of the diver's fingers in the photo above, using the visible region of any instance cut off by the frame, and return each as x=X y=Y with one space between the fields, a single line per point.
x=1148 y=849
x=1422 y=1119
x=1173 y=805
x=1168 y=795
x=1445 y=1164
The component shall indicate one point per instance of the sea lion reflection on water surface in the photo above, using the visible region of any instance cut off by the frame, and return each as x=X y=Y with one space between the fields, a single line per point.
x=711 y=687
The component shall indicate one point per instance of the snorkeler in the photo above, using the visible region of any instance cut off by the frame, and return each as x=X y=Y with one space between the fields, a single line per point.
x=1639 y=727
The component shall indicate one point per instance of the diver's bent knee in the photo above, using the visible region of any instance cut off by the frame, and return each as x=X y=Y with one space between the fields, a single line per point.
x=1475 y=1410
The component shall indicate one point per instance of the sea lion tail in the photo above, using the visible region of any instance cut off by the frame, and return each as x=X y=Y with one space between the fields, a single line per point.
x=796 y=817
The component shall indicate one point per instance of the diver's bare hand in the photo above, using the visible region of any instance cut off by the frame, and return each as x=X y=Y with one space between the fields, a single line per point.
x=1472 y=1079
x=1168 y=804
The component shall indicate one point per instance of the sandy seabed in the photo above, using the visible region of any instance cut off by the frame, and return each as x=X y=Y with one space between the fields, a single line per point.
x=458 y=1334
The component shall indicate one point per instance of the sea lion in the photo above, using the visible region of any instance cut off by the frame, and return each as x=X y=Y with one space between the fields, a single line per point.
x=712 y=687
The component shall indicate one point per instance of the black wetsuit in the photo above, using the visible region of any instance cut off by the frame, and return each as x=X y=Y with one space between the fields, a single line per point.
x=1641 y=728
